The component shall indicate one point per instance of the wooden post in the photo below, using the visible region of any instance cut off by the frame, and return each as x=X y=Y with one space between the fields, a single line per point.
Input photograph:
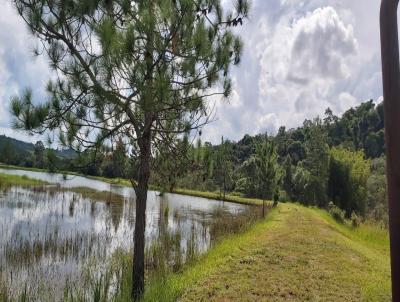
x=391 y=94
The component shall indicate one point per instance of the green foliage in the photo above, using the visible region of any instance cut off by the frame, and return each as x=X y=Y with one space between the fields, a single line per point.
x=377 y=206
x=166 y=56
x=260 y=175
x=362 y=127
x=248 y=182
x=349 y=173
x=51 y=160
x=355 y=220
x=316 y=161
x=222 y=166
x=336 y=212
x=114 y=161
x=39 y=155
x=301 y=181
x=287 y=182
x=7 y=154
x=268 y=174
x=171 y=164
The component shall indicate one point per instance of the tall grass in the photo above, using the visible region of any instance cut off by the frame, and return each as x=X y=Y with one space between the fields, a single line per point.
x=17 y=180
x=165 y=259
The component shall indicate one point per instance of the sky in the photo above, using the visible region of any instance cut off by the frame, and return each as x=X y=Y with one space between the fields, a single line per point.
x=299 y=58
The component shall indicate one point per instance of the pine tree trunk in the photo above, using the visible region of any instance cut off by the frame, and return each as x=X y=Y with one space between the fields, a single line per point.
x=140 y=222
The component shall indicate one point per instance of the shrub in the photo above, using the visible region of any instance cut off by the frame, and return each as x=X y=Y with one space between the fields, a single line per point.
x=336 y=212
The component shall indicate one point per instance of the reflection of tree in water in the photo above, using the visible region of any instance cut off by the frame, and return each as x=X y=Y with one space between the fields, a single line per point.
x=163 y=215
x=165 y=251
x=116 y=208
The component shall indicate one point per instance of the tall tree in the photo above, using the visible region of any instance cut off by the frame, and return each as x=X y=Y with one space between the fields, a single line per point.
x=268 y=171
x=51 y=160
x=138 y=69
x=39 y=154
x=223 y=166
x=317 y=161
x=348 y=175
x=119 y=159
x=288 y=178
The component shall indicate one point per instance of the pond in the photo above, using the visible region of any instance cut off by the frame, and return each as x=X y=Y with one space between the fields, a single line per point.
x=52 y=235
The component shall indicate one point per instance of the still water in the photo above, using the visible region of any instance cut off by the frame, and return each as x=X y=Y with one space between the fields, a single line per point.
x=50 y=235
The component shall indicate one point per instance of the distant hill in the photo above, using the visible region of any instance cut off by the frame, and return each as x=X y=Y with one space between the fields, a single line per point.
x=24 y=148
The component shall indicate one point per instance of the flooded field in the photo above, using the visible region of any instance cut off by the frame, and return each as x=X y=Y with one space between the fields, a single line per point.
x=62 y=234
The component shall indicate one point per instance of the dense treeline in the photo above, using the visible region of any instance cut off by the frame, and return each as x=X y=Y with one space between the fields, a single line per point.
x=333 y=159
x=19 y=153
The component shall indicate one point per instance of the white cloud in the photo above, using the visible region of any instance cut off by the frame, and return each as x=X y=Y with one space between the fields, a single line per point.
x=300 y=57
x=321 y=43
x=346 y=100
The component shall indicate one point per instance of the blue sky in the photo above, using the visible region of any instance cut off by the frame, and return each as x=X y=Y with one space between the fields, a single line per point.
x=300 y=57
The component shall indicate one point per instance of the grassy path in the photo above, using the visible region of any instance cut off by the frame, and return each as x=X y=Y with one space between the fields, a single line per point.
x=297 y=254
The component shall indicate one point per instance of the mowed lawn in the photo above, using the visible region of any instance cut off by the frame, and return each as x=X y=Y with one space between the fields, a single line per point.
x=296 y=254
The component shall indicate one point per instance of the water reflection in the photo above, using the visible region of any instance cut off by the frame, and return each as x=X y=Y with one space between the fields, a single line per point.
x=50 y=235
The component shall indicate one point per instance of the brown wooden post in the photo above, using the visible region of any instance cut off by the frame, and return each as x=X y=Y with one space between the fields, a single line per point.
x=391 y=94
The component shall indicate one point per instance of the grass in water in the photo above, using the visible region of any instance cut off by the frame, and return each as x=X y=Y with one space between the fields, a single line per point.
x=17 y=180
x=228 y=197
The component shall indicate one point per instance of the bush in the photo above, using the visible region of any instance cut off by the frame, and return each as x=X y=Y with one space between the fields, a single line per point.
x=283 y=196
x=355 y=220
x=336 y=212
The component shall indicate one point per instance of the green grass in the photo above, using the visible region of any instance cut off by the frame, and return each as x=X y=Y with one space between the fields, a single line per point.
x=18 y=180
x=92 y=194
x=113 y=181
x=368 y=234
x=297 y=254
x=228 y=197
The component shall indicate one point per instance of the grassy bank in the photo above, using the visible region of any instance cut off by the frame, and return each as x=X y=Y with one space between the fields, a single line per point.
x=296 y=254
x=228 y=197
x=8 y=180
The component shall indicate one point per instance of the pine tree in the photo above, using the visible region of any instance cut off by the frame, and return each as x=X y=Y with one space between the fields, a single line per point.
x=141 y=70
x=288 y=178
x=268 y=171
x=39 y=154
x=317 y=161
